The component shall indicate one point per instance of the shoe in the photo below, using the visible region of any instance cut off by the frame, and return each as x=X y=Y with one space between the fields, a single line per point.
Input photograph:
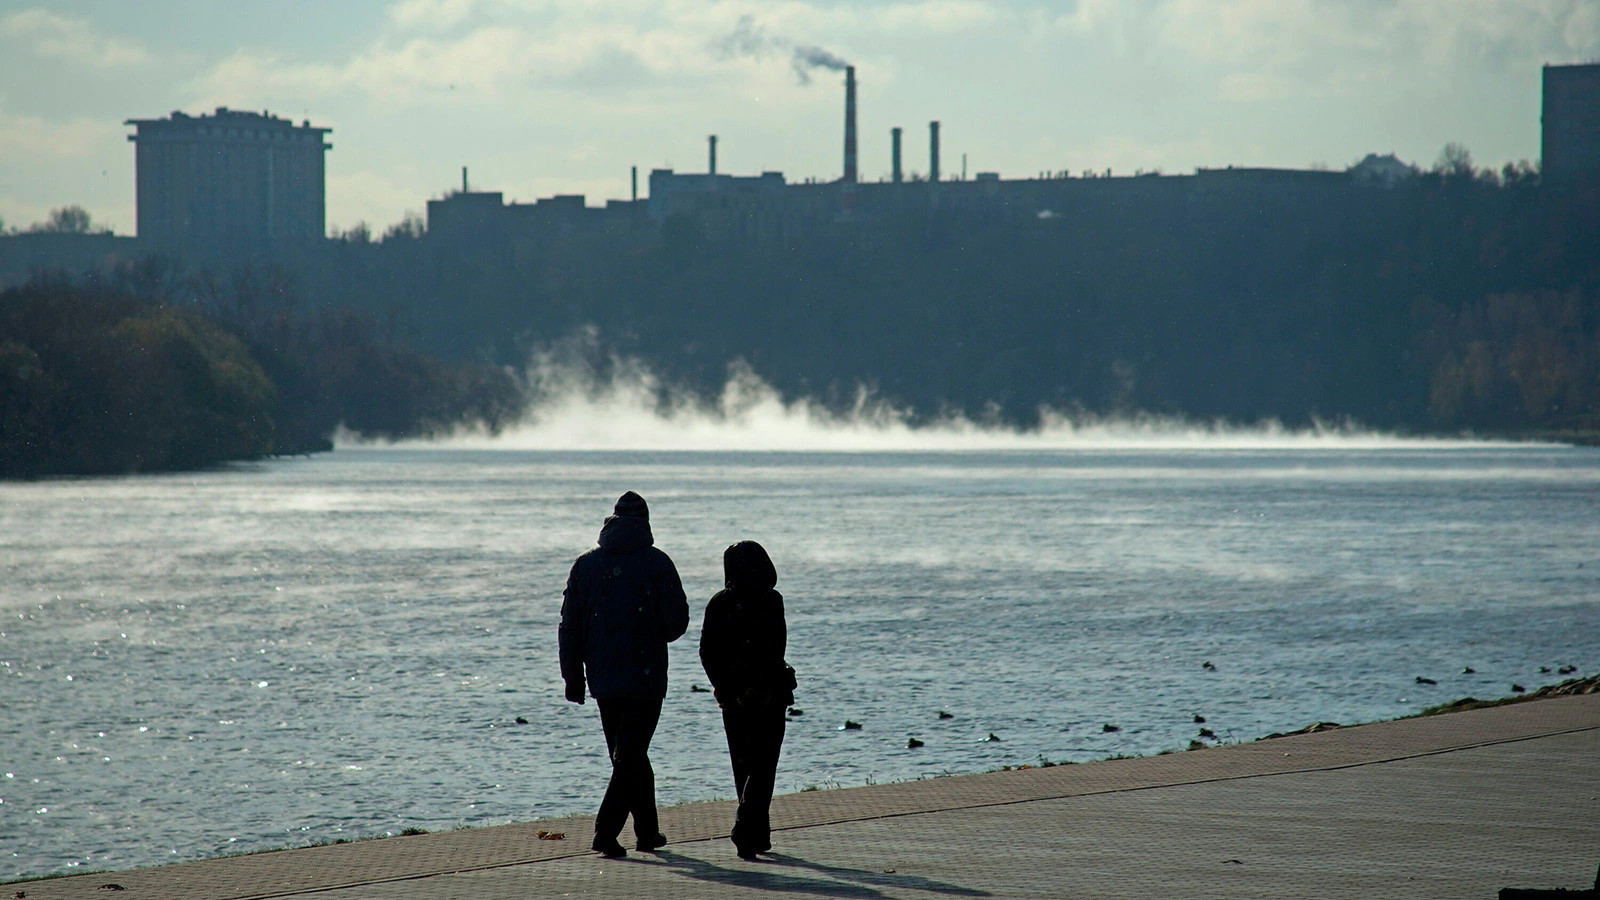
x=653 y=844
x=610 y=849
x=747 y=854
x=748 y=848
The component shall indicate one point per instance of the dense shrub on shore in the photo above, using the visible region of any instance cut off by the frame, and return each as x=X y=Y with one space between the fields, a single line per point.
x=1514 y=360
x=94 y=380
x=333 y=369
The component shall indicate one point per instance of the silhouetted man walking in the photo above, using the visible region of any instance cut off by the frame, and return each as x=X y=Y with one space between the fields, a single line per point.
x=623 y=604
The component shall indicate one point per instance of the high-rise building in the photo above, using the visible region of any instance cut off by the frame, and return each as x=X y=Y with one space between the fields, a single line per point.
x=1571 y=123
x=231 y=182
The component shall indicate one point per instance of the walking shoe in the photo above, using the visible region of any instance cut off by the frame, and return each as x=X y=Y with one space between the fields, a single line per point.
x=609 y=848
x=748 y=848
x=653 y=844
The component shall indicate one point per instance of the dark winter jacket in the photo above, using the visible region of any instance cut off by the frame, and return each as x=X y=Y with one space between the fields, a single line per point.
x=623 y=605
x=744 y=637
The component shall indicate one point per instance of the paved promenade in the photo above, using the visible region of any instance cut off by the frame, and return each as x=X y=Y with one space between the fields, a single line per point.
x=1453 y=806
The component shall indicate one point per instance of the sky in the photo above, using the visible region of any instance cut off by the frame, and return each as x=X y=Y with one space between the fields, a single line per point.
x=544 y=97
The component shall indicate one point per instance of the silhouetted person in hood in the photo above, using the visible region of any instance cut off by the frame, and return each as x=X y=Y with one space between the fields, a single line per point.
x=623 y=605
x=741 y=646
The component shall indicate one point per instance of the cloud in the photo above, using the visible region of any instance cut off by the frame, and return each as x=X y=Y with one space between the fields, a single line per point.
x=1582 y=30
x=65 y=37
x=1272 y=49
x=934 y=16
x=498 y=48
x=1247 y=87
x=368 y=197
x=1355 y=44
x=490 y=62
x=22 y=137
x=609 y=66
x=430 y=14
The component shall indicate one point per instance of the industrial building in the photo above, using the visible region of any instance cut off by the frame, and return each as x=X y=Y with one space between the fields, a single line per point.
x=769 y=211
x=1570 y=124
x=246 y=182
x=229 y=182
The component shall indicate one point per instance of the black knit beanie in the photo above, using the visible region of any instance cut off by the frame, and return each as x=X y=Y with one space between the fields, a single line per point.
x=631 y=504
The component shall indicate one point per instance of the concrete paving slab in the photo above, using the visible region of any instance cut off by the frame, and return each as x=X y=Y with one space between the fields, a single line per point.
x=1448 y=806
x=1456 y=825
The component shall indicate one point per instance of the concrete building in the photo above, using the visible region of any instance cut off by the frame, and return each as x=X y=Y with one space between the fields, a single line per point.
x=672 y=192
x=483 y=220
x=1571 y=124
x=229 y=183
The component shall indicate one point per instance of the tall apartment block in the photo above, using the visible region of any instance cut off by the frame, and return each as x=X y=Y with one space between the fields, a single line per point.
x=231 y=182
x=1570 y=124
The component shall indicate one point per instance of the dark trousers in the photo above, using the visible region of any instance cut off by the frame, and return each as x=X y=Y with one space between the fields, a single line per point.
x=754 y=738
x=629 y=725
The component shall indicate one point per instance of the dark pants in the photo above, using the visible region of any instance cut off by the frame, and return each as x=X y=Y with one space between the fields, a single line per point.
x=629 y=724
x=754 y=738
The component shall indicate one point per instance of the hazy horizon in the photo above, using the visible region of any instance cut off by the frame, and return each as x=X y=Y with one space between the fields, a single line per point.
x=541 y=99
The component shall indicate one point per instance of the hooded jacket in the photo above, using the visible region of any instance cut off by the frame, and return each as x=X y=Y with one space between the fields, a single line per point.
x=623 y=604
x=743 y=639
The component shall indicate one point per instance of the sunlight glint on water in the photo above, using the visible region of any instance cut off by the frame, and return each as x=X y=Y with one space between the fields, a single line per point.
x=339 y=646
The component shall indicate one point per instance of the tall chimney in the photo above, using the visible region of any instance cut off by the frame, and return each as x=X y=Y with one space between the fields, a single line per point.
x=636 y=184
x=894 y=139
x=463 y=179
x=933 y=151
x=849 y=124
x=712 y=141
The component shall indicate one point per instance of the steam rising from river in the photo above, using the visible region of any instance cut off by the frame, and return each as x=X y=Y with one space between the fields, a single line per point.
x=575 y=407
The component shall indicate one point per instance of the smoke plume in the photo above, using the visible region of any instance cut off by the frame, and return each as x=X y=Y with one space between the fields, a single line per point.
x=747 y=39
x=806 y=58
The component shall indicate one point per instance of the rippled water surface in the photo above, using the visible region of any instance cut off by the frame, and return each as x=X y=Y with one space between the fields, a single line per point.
x=313 y=649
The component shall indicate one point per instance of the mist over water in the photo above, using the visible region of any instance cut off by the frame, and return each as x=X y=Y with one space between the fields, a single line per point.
x=630 y=408
x=339 y=646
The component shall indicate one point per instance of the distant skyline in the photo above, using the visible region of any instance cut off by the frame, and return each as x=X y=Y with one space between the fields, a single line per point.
x=541 y=98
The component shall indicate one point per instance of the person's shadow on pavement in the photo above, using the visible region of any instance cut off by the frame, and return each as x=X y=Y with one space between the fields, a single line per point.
x=702 y=870
x=883 y=879
x=841 y=882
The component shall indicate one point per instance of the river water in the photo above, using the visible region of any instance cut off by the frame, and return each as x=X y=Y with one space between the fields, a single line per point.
x=313 y=649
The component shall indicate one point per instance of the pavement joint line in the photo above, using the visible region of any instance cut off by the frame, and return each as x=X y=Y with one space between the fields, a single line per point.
x=418 y=876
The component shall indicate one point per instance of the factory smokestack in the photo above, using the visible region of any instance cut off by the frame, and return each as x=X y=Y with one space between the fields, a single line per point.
x=636 y=184
x=894 y=142
x=849 y=124
x=933 y=151
x=712 y=141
